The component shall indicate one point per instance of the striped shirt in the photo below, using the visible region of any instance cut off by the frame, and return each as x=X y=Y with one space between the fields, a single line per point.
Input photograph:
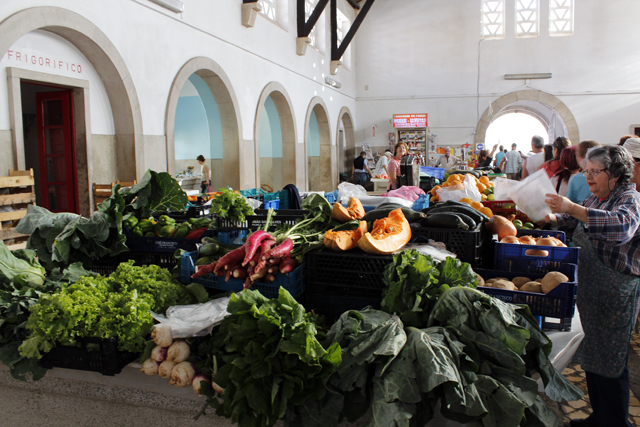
x=613 y=227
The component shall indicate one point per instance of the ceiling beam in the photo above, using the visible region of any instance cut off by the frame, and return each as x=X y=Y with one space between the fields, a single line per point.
x=338 y=51
x=305 y=27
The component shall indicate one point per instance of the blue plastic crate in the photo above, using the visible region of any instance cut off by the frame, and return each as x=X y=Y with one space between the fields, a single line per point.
x=514 y=257
x=559 y=303
x=332 y=196
x=293 y=282
x=284 y=199
x=421 y=202
x=560 y=235
x=228 y=237
x=434 y=172
x=161 y=244
x=275 y=204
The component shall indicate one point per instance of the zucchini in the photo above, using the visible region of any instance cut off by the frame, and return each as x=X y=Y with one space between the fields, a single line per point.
x=208 y=249
x=410 y=214
x=224 y=247
x=444 y=220
x=475 y=215
x=390 y=205
x=205 y=260
x=467 y=220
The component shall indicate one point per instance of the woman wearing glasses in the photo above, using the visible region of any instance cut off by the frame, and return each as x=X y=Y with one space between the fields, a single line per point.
x=606 y=226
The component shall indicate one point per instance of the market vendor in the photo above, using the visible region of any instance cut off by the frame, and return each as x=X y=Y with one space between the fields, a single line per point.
x=393 y=167
x=606 y=226
x=448 y=162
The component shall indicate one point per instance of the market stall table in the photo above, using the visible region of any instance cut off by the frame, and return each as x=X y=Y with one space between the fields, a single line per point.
x=379 y=186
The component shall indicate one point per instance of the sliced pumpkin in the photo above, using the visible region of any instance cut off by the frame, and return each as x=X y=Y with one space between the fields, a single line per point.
x=388 y=234
x=351 y=212
x=345 y=239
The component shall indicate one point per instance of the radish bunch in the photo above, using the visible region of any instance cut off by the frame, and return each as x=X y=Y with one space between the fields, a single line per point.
x=259 y=259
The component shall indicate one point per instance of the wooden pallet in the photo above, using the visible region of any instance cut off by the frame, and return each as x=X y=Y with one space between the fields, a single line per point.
x=17 y=192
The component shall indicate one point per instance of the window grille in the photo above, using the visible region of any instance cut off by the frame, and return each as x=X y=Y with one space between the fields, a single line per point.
x=560 y=17
x=492 y=18
x=269 y=8
x=309 y=5
x=527 y=14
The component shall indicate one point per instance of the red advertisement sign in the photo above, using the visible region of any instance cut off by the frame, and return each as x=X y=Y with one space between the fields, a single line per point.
x=410 y=120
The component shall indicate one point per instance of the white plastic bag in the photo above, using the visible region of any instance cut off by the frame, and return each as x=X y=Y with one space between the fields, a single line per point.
x=455 y=193
x=347 y=189
x=194 y=320
x=502 y=187
x=529 y=195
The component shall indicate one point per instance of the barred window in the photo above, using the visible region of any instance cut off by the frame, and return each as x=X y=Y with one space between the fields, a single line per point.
x=492 y=18
x=560 y=17
x=309 y=5
x=269 y=8
x=527 y=18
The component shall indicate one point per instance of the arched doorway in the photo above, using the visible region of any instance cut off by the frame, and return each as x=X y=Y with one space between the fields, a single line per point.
x=276 y=156
x=518 y=128
x=320 y=156
x=112 y=71
x=345 y=142
x=548 y=109
x=202 y=92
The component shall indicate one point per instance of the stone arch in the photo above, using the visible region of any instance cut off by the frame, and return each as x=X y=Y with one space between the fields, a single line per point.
x=346 y=154
x=109 y=65
x=220 y=86
x=505 y=105
x=320 y=176
x=292 y=157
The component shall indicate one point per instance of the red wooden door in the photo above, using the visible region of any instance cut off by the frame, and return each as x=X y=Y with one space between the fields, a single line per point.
x=57 y=151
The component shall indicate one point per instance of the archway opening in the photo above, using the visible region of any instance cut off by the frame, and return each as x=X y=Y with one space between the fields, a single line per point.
x=271 y=178
x=319 y=152
x=346 y=144
x=515 y=128
x=198 y=131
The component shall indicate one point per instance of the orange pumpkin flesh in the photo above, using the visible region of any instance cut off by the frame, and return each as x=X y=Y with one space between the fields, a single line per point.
x=351 y=212
x=344 y=240
x=388 y=234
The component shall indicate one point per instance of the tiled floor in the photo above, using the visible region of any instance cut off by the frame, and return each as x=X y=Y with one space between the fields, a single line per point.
x=582 y=408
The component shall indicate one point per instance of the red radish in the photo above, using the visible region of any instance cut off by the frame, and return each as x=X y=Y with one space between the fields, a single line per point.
x=240 y=273
x=274 y=261
x=252 y=244
x=288 y=265
x=255 y=259
x=233 y=257
x=272 y=270
x=247 y=283
x=280 y=251
x=258 y=274
x=269 y=278
x=228 y=275
x=203 y=270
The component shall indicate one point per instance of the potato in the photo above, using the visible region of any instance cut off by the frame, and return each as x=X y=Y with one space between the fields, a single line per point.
x=551 y=280
x=531 y=287
x=504 y=284
x=480 y=280
x=489 y=281
x=520 y=280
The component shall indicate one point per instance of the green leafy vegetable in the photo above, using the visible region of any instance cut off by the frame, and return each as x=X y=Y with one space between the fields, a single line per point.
x=18 y=270
x=155 y=192
x=230 y=205
x=271 y=359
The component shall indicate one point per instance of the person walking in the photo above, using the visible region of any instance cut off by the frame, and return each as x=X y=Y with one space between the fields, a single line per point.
x=514 y=162
x=606 y=227
x=553 y=166
x=499 y=156
x=360 y=169
x=383 y=161
x=535 y=160
x=205 y=175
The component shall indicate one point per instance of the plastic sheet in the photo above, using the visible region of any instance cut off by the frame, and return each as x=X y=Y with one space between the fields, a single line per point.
x=194 y=320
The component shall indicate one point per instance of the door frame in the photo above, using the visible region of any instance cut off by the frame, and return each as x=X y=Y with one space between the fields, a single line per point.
x=66 y=96
x=81 y=119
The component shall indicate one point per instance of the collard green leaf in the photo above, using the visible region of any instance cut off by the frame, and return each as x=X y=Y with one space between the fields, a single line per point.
x=14 y=269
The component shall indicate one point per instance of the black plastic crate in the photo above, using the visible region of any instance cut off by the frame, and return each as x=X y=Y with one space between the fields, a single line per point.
x=107 y=265
x=254 y=222
x=161 y=244
x=91 y=354
x=332 y=305
x=350 y=271
x=468 y=245
x=191 y=212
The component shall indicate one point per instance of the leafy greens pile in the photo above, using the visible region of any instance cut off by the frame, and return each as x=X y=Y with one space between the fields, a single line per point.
x=116 y=306
x=473 y=354
x=230 y=205
x=272 y=359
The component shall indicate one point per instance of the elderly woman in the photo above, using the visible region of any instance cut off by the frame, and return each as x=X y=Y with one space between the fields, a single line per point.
x=394 y=164
x=606 y=227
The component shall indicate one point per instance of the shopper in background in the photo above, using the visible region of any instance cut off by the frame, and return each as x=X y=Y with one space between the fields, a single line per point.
x=499 y=157
x=607 y=229
x=383 y=161
x=393 y=168
x=360 y=169
x=514 y=162
x=205 y=175
x=535 y=160
x=633 y=146
x=578 y=189
x=553 y=166
x=485 y=158
x=624 y=138
x=570 y=167
x=548 y=152
x=448 y=162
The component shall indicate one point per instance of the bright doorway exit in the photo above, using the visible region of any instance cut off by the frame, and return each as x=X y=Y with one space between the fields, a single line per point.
x=516 y=128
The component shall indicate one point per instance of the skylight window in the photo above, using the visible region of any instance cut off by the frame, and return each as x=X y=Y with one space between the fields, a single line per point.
x=560 y=17
x=527 y=22
x=492 y=18
x=269 y=8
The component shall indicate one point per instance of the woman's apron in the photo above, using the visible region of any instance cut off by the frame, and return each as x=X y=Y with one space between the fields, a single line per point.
x=607 y=301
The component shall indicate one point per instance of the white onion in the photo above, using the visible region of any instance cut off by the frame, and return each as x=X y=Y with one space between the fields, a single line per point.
x=197 y=382
x=158 y=353
x=182 y=374
x=150 y=367
x=178 y=352
x=165 y=368
x=162 y=335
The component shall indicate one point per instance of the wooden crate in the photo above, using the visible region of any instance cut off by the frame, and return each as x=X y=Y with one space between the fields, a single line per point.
x=16 y=193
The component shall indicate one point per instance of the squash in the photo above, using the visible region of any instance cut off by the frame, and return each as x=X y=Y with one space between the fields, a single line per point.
x=346 y=239
x=388 y=234
x=501 y=226
x=351 y=212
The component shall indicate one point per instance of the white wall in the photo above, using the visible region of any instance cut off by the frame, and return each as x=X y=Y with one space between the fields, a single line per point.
x=155 y=43
x=425 y=56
